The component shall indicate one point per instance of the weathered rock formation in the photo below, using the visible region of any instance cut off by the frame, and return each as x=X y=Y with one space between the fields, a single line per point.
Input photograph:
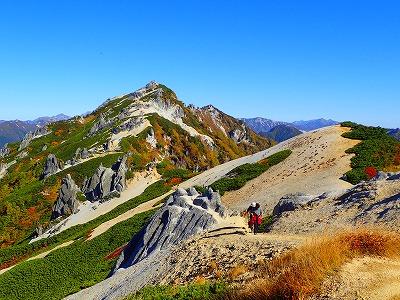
x=25 y=142
x=4 y=151
x=67 y=202
x=99 y=125
x=151 y=139
x=79 y=155
x=51 y=166
x=292 y=202
x=239 y=135
x=184 y=215
x=41 y=131
x=106 y=181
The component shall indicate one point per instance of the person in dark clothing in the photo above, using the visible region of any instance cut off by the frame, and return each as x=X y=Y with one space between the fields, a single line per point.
x=255 y=216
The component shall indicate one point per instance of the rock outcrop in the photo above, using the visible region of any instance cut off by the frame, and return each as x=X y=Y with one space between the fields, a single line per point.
x=41 y=131
x=292 y=202
x=25 y=142
x=51 y=166
x=67 y=202
x=99 y=125
x=106 y=181
x=239 y=135
x=4 y=151
x=182 y=216
x=151 y=139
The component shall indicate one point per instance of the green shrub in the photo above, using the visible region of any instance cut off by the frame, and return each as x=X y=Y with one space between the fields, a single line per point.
x=187 y=292
x=70 y=269
x=18 y=252
x=238 y=177
x=377 y=149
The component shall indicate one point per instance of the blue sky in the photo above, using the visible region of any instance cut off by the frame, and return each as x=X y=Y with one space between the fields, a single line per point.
x=284 y=60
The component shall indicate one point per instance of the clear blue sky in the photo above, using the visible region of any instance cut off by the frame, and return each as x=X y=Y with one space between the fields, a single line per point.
x=285 y=60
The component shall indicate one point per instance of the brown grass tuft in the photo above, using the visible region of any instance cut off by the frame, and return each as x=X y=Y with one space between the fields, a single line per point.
x=236 y=271
x=200 y=280
x=300 y=272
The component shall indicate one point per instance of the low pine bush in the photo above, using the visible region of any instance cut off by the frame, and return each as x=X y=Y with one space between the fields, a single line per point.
x=377 y=150
x=70 y=269
x=238 y=177
x=13 y=254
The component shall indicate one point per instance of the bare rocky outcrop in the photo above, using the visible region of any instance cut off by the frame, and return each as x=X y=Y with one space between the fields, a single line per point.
x=239 y=135
x=51 y=166
x=374 y=202
x=101 y=124
x=291 y=202
x=40 y=131
x=184 y=215
x=25 y=142
x=79 y=155
x=67 y=202
x=4 y=151
x=106 y=181
x=151 y=139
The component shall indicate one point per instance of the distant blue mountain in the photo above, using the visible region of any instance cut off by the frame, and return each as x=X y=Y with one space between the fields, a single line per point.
x=395 y=133
x=281 y=132
x=15 y=130
x=313 y=124
x=265 y=125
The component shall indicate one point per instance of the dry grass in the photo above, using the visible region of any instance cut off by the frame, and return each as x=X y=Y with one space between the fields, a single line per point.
x=236 y=271
x=300 y=272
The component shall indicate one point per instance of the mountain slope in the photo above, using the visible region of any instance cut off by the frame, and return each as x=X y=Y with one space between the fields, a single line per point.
x=315 y=166
x=281 y=133
x=149 y=128
x=15 y=130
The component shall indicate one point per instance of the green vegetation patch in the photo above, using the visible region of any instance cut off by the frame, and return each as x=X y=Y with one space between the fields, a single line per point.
x=238 y=177
x=195 y=291
x=377 y=151
x=17 y=252
x=70 y=269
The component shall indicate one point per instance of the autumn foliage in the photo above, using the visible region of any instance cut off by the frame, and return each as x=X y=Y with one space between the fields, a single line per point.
x=371 y=172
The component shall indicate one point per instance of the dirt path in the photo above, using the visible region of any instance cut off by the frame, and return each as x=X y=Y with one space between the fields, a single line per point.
x=370 y=278
x=315 y=166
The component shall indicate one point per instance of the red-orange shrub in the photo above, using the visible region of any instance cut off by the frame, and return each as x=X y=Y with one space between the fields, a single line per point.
x=371 y=172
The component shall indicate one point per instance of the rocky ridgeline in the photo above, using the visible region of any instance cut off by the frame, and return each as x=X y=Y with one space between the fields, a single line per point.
x=67 y=202
x=185 y=214
x=106 y=182
x=41 y=131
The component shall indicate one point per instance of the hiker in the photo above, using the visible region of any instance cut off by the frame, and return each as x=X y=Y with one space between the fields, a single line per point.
x=255 y=216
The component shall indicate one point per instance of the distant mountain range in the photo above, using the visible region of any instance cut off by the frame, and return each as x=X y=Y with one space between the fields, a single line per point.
x=280 y=131
x=313 y=124
x=395 y=133
x=15 y=130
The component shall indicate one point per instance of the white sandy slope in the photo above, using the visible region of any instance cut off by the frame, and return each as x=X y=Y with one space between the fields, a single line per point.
x=317 y=162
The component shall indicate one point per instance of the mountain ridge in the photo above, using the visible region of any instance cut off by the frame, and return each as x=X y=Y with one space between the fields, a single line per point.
x=150 y=126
